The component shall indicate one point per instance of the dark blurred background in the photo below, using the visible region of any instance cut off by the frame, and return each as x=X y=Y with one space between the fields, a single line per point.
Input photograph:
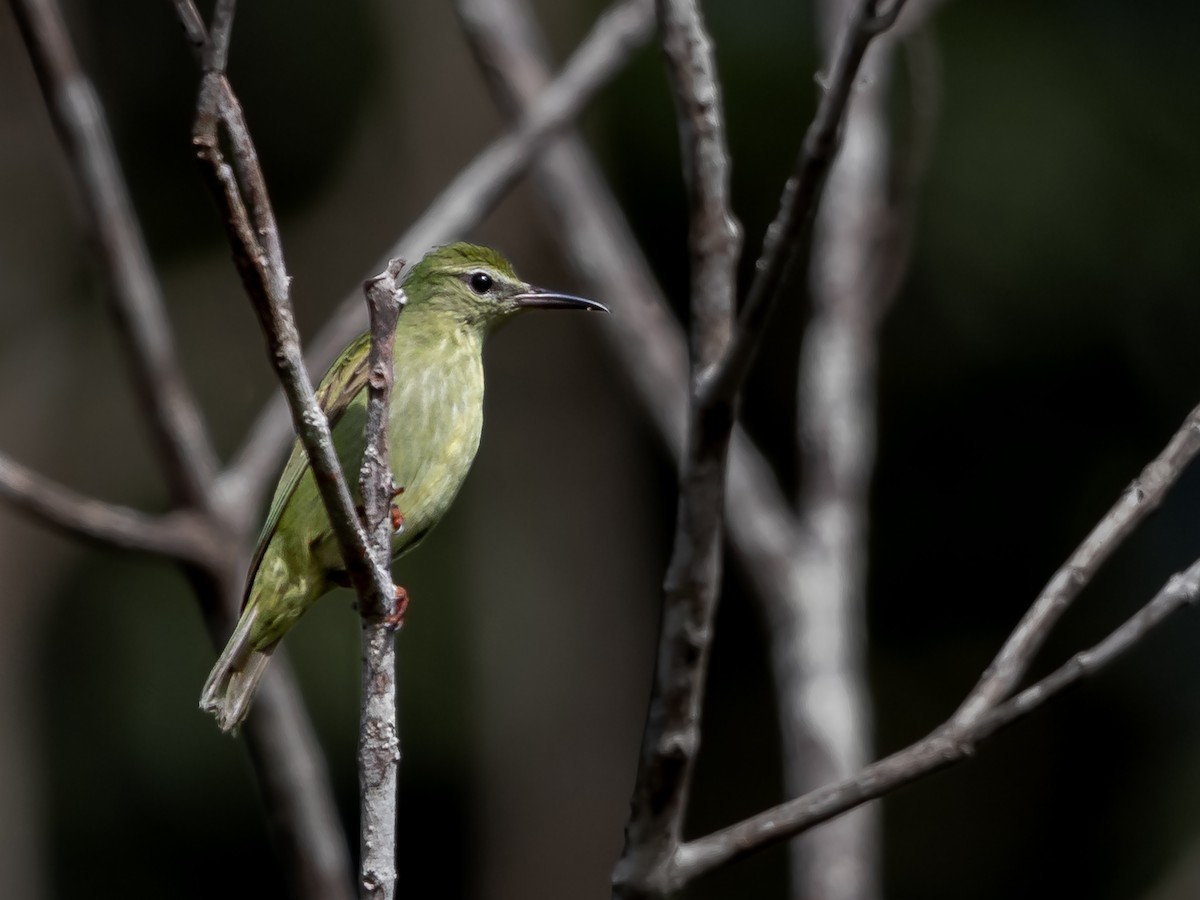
x=1041 y=351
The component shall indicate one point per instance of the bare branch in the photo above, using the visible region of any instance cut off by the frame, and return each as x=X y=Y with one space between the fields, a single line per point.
x=787 y=237
x=184 y=535
x=860 y=250
x=257 y=251
x=1140 y=499
x=472 y=194
x=645 y=336
x=194 y=28
x=136 y=298
x=268 y=284
x=672 y=737
x=948 y=745
x=379 y=736
x=216 y=50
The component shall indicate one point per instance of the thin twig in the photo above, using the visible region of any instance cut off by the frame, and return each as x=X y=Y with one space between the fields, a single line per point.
x=786 y=238
x=1140 y=499
x=944 y=747
x=672 y=737
x=379 y=736
x=474 y=191
x=183 y=445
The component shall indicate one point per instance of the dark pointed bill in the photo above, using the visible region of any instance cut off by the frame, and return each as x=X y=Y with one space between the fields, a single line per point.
x=536 y=298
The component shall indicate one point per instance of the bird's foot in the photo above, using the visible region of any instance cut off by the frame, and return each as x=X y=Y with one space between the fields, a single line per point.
x=394 y=510
x=395 y=618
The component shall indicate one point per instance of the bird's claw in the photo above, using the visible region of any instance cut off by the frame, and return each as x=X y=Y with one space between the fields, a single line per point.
x=395 y=618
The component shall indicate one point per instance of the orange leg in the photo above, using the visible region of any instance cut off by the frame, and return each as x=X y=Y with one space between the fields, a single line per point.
x=396 y=618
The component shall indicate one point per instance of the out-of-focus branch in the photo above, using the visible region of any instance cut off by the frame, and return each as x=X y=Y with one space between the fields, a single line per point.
x=860 y=249
x=616 y=36
x=645 y=335
x=313 y=850
x=379 y=737
x=589 y=223
x=292 y=777
x=787 y=237
x=200 y=533
x=136 y=298
x=184 y=535
x=254 y=237
x=948 y=745
x=671 y=740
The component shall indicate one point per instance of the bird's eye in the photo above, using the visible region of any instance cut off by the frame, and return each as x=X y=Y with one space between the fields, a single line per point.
x=480 y=282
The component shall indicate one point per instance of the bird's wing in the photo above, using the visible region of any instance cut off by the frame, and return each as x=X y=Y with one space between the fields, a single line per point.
x=341 y=384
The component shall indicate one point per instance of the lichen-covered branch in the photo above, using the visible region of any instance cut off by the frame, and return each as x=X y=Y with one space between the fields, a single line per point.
x=379 y=735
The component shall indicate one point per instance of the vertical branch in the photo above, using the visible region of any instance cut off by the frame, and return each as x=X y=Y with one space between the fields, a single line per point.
x=241 y=194
x=818 y=636
x=672 y=736
x=136 y=298
x=785 y=243
x=379 y=737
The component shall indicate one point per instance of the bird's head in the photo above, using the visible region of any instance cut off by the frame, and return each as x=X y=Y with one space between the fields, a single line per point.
x=478 y=286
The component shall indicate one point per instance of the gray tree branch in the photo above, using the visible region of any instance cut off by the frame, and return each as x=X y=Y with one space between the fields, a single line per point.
x=1140 y=499
x=949 y=744
x=786 y=241
x=241 y=194
x=379 y=735
x=184 y=535
x=198 y=534
x=859 y=252
x=671 y=740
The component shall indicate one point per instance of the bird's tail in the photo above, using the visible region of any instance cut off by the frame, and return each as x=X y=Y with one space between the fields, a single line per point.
x=234 y=679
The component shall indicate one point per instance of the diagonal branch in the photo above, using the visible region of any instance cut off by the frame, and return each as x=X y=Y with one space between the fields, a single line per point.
x=646 y=337
x=472 y=194
x=184 y=535
x=1140 y=499
x=268 y=284
x=988 y=710
x=786 y=240
x=241 y=194
x=672 y=736
x=946 y=746
x=183 y=446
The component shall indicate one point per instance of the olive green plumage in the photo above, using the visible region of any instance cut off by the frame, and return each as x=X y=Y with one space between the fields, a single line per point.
x=457 y=295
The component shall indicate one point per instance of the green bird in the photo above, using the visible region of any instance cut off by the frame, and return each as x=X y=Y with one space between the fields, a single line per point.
x=457 y=296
